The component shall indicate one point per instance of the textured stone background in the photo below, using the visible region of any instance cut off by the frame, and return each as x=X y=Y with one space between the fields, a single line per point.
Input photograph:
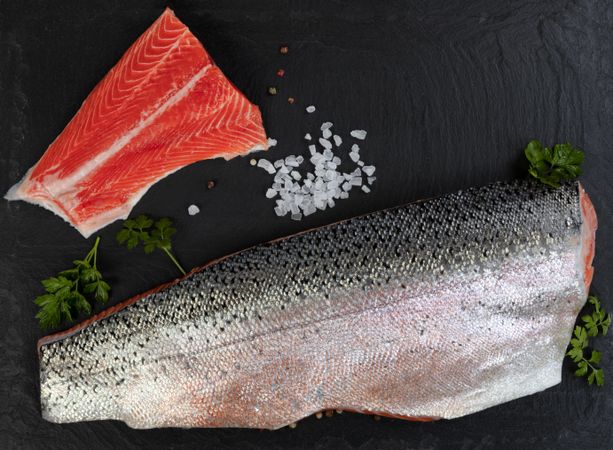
x=450 y=92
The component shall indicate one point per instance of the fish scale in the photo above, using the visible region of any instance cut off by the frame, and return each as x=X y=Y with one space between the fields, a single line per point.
x=420 y=311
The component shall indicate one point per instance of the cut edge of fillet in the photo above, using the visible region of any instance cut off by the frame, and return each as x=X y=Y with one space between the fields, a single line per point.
x=589 y=226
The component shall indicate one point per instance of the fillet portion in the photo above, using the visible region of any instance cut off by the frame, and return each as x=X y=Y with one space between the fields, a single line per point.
x=418 y=312
x=163 y=106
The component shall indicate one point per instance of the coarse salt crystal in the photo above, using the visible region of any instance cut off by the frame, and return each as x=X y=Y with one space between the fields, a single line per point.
x=337 y=140
x=312 y=149
x=368 y=170
x=270 y=193
x=316 y=158
x=291 y=161
x=366 y=189
x=266 y=165
x=327 y=134
x=192 y=210
x=371 y=180
x=361 y=163
x=309 y=209
x=355 y=157
x=310 y=109
x=296 y=175
x=278 y=163
x=307 y=136
x=326 y=126
x=325 y=143
x=358 y=134
x=272 y=142
x=355 y=148
x=296 y=216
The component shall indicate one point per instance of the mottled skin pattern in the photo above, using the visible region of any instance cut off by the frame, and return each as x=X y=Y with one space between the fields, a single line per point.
x=425 y=310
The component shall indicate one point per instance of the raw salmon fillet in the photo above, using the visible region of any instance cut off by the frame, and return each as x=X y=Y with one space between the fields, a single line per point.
x=163 y=106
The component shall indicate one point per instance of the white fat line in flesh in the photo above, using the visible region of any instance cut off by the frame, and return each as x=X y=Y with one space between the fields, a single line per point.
x=57 y=186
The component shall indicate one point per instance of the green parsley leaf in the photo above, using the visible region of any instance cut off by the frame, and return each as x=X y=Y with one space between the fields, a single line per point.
x=102 y=291
x=123 y=235
x=54 y=284
x=595 y=358
x=582 y=370
x=606 y=324
x=143 y=222
x=64 y=298
x=597 y=321
x=599 y=373
x=552 y=166
x=71 y=274
x=138 y=230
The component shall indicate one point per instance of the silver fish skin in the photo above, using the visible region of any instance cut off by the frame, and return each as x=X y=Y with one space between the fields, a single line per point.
x=422 y=311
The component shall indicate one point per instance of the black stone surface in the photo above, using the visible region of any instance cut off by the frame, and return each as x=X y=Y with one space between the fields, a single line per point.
x=450 y=92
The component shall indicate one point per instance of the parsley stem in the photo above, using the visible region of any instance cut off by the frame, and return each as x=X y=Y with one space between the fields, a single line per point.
x=96 y=250
x=93 y=252
x=174 y=260
x=588 y=363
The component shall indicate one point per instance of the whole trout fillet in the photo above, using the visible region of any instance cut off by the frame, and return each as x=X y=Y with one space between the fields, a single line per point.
x=421 y=311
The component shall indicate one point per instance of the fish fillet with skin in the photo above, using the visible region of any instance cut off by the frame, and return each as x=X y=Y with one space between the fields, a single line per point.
x=421 y=311
x=163 y=106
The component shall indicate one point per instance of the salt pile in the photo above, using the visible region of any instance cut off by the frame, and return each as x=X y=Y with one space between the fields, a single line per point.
x=302 y=193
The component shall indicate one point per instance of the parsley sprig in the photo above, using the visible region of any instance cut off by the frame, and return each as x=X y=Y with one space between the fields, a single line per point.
x=551 y=166
x=65 y=293
x=153 y=235
x=597 y=321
